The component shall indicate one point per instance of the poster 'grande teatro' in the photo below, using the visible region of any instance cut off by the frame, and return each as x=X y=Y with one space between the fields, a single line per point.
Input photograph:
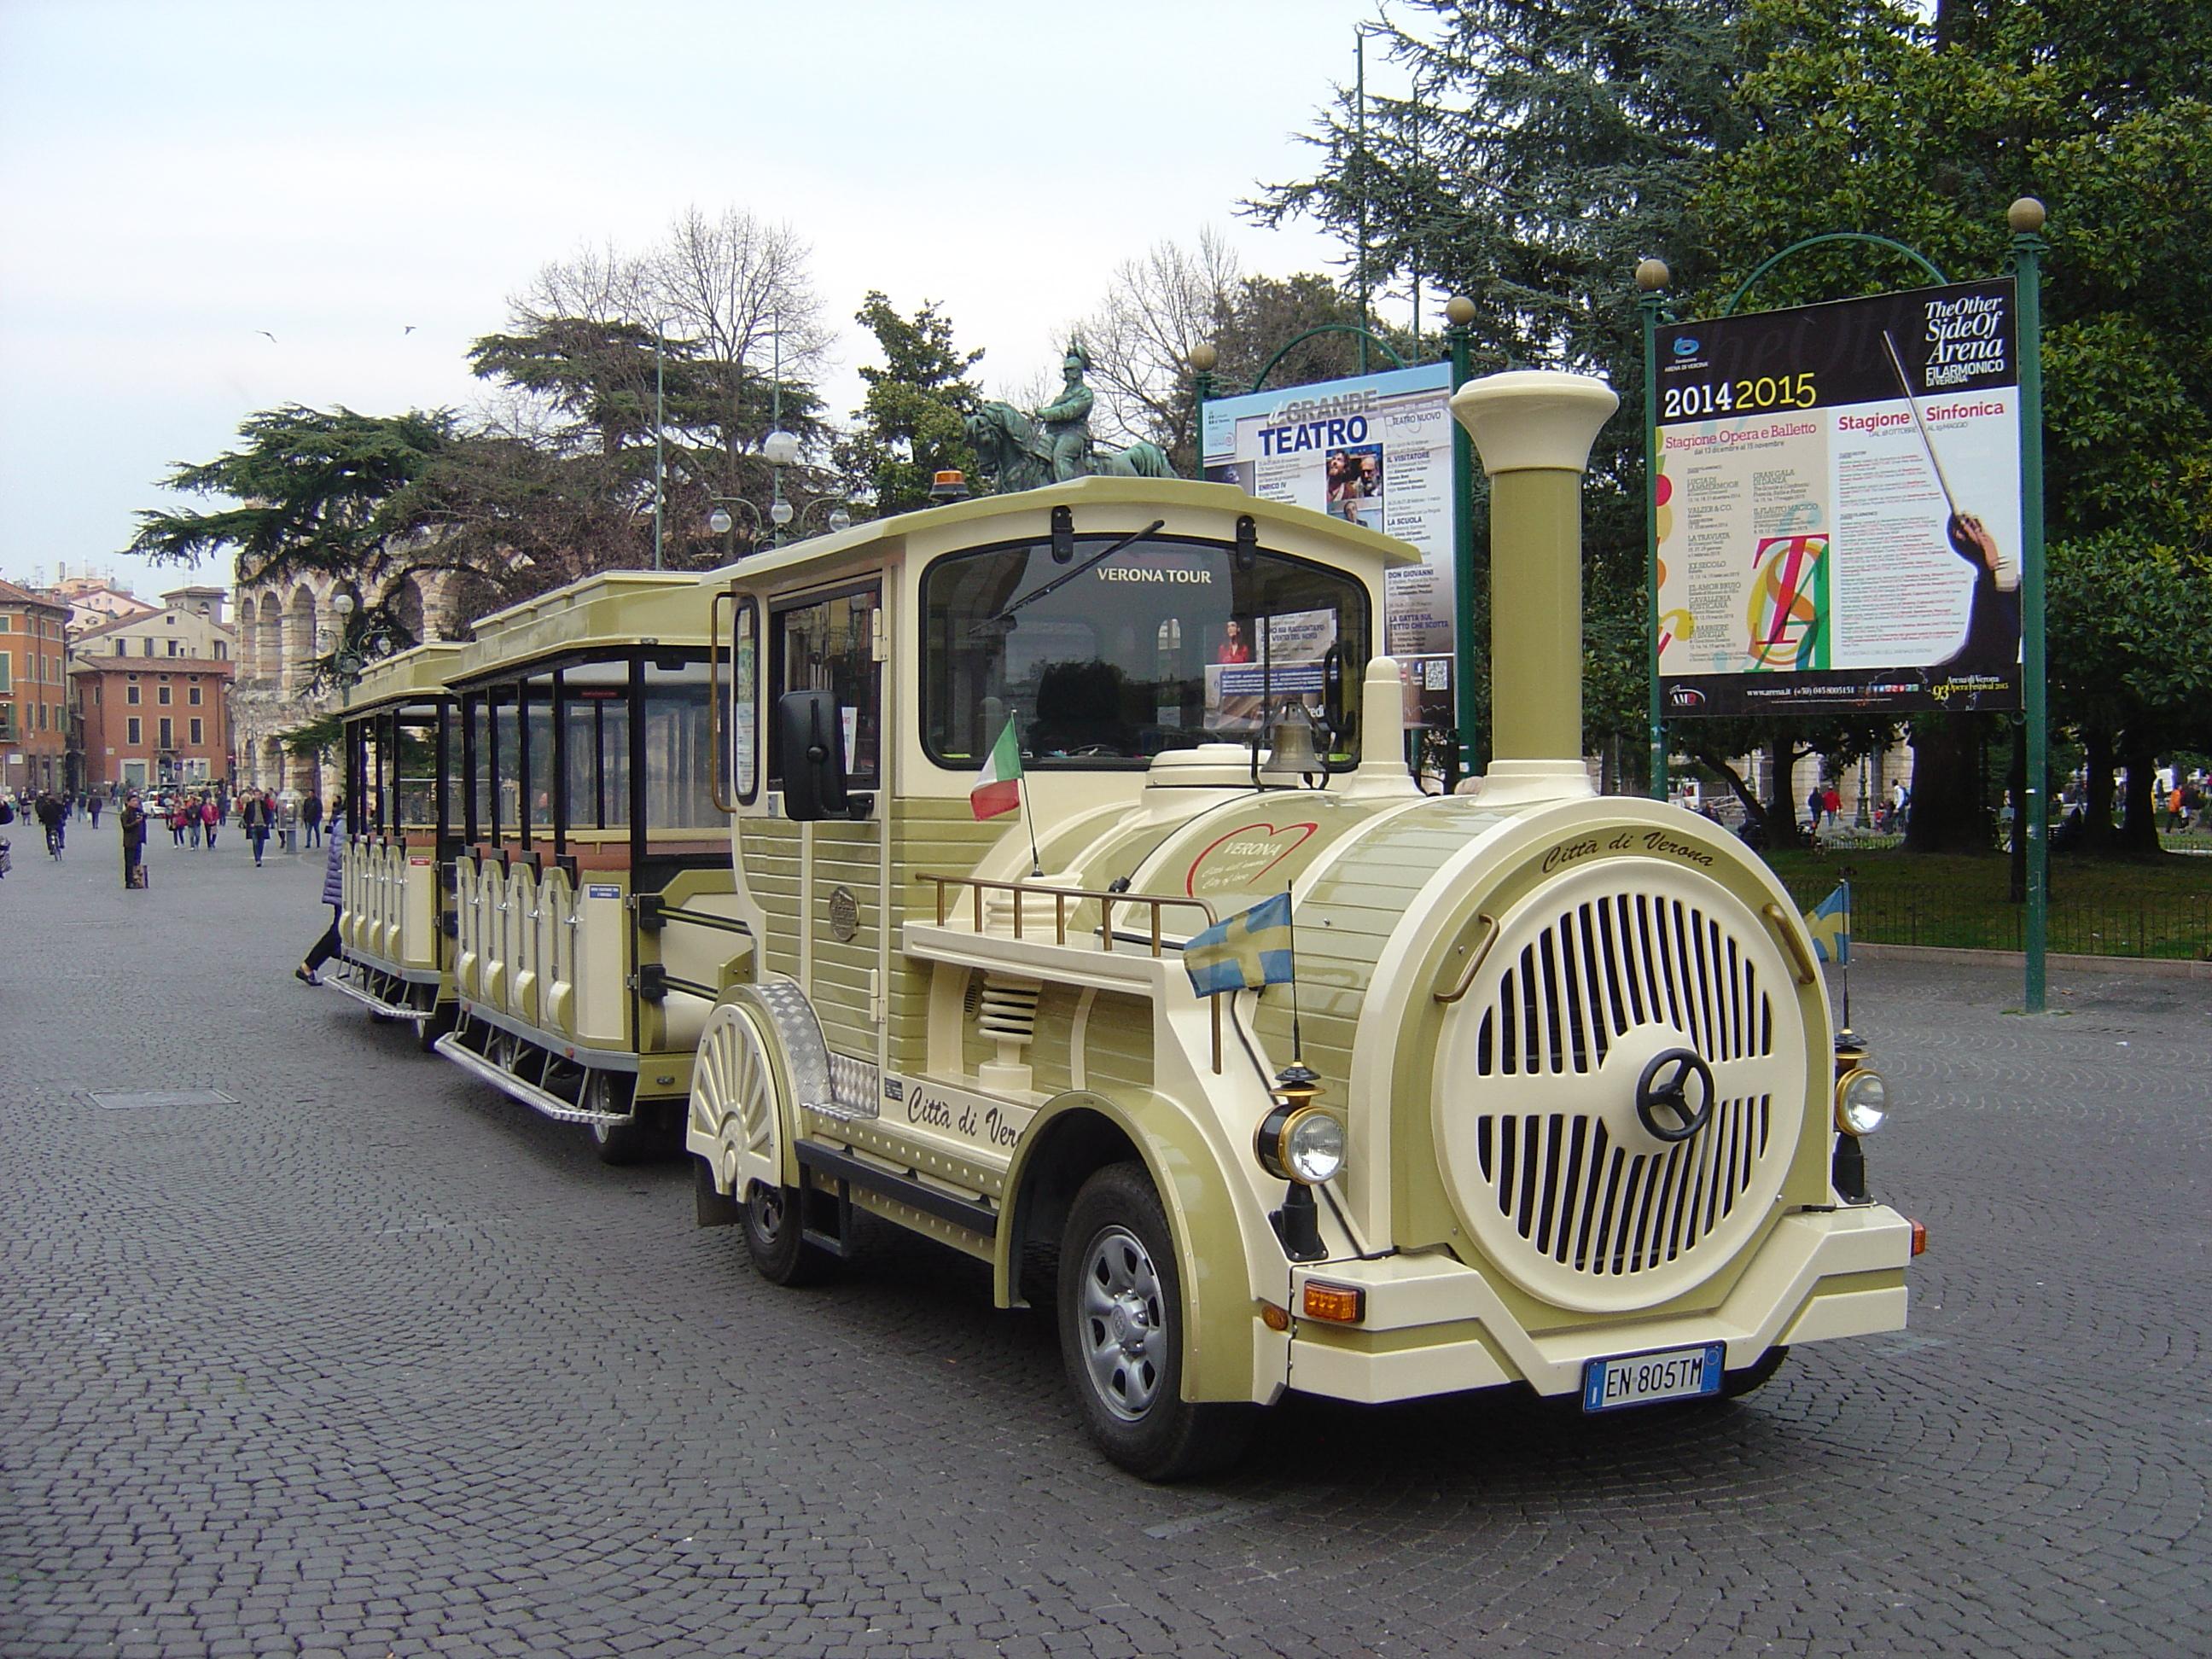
x=1839 y=507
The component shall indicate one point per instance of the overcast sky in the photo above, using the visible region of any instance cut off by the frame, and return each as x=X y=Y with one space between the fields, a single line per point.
x=178 y=174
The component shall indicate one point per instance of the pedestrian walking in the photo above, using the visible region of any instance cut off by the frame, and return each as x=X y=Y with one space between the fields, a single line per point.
x=334 y=896
x=92 y=807
x=134 y=842
x=1813 y=808
x=210 y=821
x=254 y=817
x=311 y=814
x=192 y=818
x=176 y=815
x=1832 y=804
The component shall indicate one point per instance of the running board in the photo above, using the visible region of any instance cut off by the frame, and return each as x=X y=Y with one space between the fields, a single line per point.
x=848 y=1171
x=373 y=1003
x=514 y=1088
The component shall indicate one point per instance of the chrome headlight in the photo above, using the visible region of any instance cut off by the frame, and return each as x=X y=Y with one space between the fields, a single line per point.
x=1861 y=1101
x=1304 y=1144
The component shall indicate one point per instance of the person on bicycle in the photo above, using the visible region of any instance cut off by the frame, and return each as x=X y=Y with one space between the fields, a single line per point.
x=51 y=816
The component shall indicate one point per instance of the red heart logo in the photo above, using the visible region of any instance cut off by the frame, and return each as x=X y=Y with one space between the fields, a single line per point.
x=1305 y=832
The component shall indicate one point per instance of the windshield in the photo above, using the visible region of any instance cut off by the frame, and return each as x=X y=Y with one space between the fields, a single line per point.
x=1162 y=644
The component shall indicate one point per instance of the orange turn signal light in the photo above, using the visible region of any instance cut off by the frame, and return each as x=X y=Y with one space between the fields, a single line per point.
x=1919 y=1237
x=1340 y=1304
x=1274 y=1318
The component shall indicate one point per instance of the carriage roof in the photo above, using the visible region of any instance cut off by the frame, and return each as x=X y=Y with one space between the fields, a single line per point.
x=611 y=610
x=421 y=671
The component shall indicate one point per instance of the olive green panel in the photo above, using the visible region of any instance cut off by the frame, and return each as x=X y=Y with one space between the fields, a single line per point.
x=1117 y=1046
x=1423 y=1211
x=1536 y=615
x=846 y=856
x=770 y=850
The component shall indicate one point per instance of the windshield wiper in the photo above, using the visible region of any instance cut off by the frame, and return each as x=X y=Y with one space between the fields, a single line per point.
x=1068 y=576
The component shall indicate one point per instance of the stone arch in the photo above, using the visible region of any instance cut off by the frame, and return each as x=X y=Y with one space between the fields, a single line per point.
x=301 y=618
x=249 y=641
x=269 y=765
x=269 y=646
x=405 y=599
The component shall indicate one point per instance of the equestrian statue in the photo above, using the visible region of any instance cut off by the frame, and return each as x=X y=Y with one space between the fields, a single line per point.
x=1023 y=451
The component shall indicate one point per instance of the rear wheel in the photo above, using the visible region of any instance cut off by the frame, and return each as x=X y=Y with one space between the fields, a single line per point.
x=775 y=1237
x=1122 y=1336
x=632 y=1142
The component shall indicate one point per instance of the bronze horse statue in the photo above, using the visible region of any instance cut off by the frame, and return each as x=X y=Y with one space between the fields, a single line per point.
x=1011 y=447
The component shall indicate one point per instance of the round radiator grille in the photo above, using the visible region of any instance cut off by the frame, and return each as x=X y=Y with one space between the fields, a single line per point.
x=1586 y=984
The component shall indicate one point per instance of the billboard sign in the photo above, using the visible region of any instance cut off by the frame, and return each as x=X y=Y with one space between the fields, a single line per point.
x=1376 y=449
x=1839 y=507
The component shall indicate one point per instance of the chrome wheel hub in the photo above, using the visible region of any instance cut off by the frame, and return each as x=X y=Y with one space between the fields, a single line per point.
x=1123 y=1339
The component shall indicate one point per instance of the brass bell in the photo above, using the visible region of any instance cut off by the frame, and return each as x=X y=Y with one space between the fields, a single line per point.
x=1292 y=756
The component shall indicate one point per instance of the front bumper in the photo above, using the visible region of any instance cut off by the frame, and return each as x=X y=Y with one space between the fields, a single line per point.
x=1435 y=1325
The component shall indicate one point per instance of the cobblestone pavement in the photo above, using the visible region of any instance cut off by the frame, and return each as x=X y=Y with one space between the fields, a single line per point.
x=374 y=1362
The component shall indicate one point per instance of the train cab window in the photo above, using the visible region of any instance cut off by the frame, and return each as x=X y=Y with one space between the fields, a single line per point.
x=828 y=645
x=744 y=702
x=367 y=767
x=1125 y=650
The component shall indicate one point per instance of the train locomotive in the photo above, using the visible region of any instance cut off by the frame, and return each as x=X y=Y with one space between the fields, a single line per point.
x=1549 y=1099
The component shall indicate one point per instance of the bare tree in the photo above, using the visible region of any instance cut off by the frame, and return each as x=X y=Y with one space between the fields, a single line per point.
x=1158 y=308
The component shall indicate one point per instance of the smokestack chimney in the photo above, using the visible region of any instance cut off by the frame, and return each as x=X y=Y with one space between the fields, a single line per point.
x=1533 y=429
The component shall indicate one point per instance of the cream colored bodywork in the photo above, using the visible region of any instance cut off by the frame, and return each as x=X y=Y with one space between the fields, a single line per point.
x=388 y=918
x=1393 y=893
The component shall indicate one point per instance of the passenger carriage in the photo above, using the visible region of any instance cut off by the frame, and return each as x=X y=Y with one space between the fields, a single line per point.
x=401 y=757
x=588 y=829
x=1553 y=1101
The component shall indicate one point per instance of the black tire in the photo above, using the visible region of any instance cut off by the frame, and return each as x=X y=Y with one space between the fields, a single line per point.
x=1753 y=1378
x=634 y=1142
x=775 y=1240
x=1124 y=1365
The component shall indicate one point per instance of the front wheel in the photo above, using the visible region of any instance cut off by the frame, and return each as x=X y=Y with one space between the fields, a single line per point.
x=1122 y=1336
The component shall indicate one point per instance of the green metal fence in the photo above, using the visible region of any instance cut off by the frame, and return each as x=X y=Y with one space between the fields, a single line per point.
x=1930 y=915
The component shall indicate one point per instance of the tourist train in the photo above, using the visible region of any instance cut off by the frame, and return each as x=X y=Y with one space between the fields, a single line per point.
x=1536 y=1088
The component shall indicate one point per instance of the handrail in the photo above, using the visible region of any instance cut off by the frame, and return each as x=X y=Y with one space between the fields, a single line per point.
x=1059 y=897
x=1481 y=951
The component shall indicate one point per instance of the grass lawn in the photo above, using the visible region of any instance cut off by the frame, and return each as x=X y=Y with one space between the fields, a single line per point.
x=2122 y=907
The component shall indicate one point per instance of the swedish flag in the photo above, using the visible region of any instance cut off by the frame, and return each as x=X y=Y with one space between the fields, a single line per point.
x=1831 y=923
x=1248 y=950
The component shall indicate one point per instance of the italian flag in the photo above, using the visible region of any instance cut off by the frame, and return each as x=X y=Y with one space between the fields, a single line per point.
x=998 y=789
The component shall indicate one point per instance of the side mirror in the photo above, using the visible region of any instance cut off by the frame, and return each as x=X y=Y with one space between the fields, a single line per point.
x=810 y=747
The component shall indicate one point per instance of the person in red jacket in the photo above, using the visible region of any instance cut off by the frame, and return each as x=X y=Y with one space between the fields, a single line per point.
x=210 y=821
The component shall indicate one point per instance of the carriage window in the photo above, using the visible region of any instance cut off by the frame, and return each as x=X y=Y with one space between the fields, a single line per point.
x=478 y=759
x=1161 y=645
x=449 y=720
x=595 y=743
x=679 y=747
x=744 y=702
x=506 y=764
x=538 y=717
x=830 y=646
x=416 y=756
